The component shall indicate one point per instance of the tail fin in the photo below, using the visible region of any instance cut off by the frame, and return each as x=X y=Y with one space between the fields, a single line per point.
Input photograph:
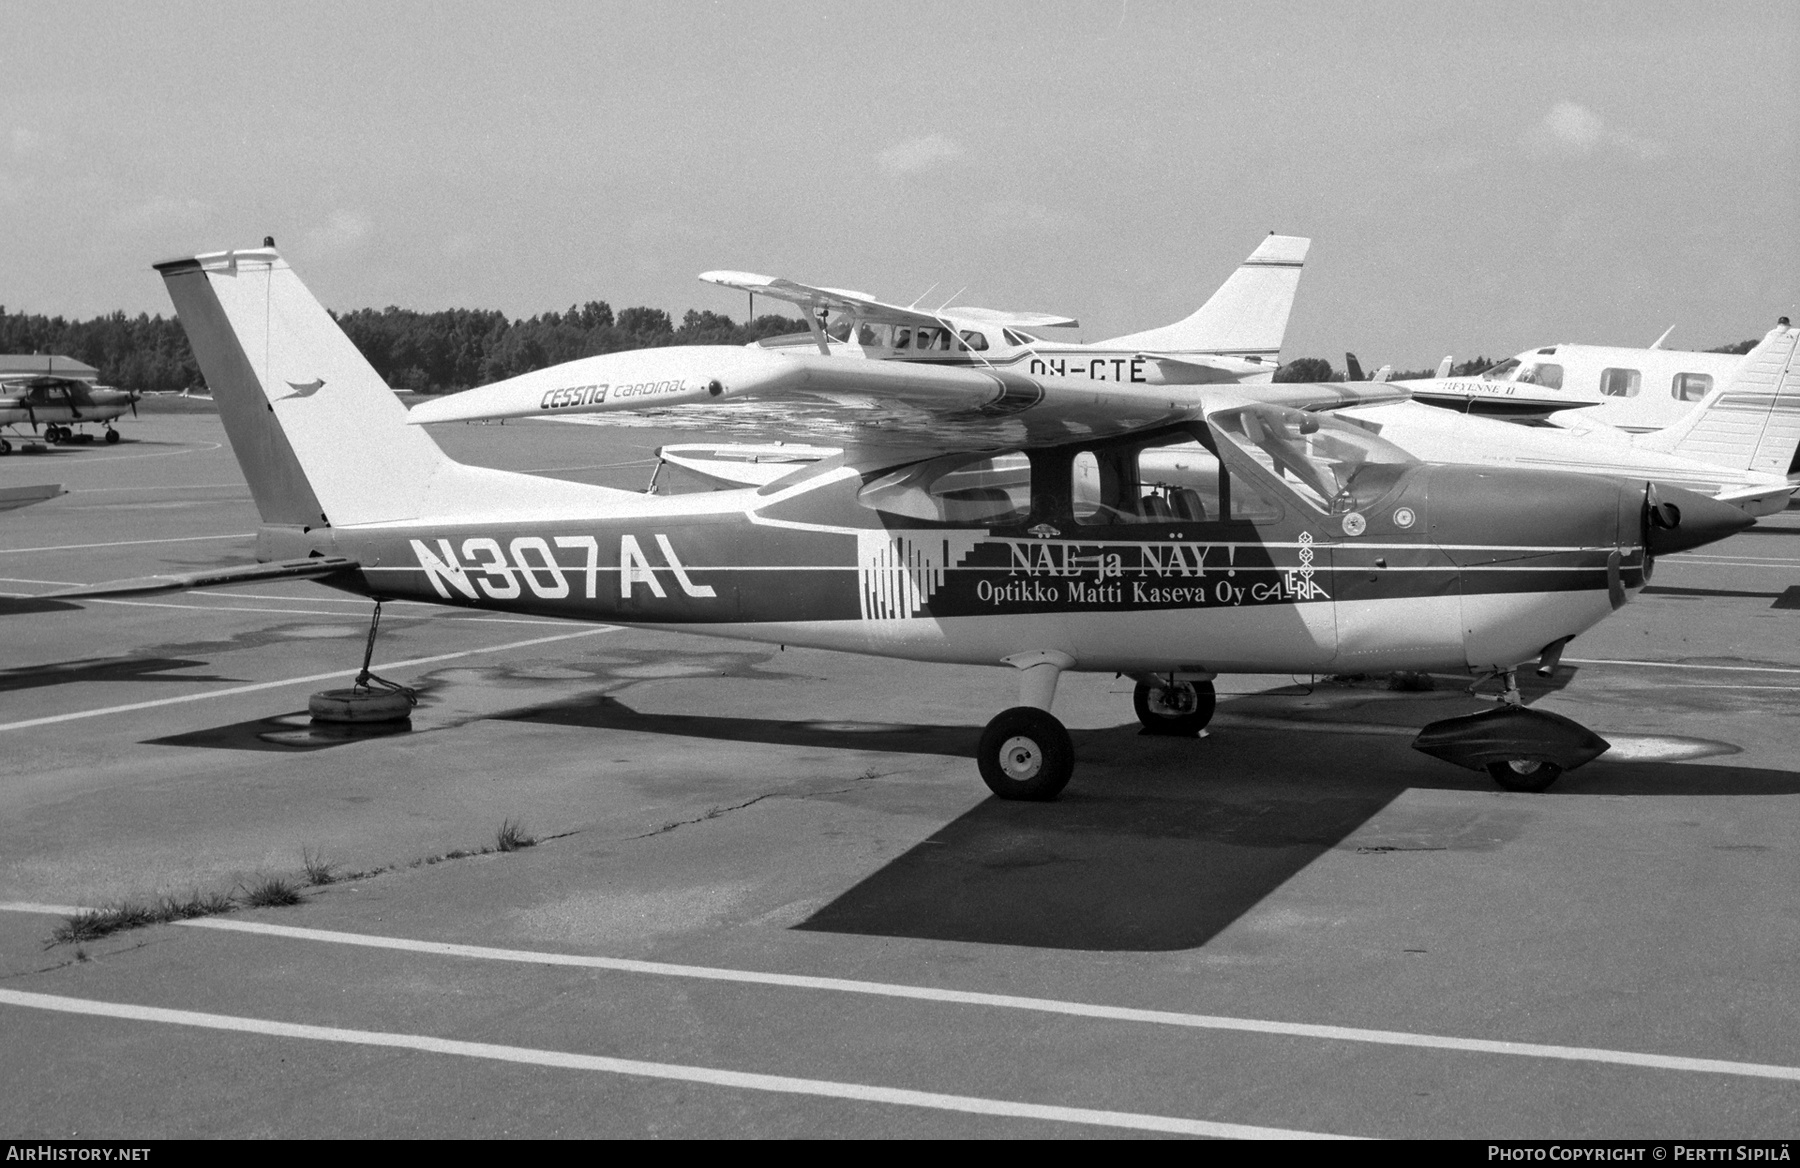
x=1752 y=421
x=321 y=438
x=1353 y=370
x=1246 y=317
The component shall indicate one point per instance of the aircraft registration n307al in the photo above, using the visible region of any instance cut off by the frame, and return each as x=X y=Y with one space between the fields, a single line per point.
x=1170 y=539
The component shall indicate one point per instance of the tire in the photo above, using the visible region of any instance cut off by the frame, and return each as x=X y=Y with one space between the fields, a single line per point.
x=1183 y=708
x=5 y=446
x=112 y=436
x=1524 y=774
x=1026 y=754
x=359 y=705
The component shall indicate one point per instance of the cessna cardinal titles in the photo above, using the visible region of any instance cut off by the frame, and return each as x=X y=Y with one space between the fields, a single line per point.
x=1269 y=537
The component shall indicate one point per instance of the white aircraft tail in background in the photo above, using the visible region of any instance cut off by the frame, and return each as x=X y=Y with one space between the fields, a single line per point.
x=1749 y=423
x=1247 y=316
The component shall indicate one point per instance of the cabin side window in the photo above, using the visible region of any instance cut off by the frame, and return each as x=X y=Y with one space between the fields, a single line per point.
x=1175 y=482
x=1690 y=387
x=973 y=339
x=1620 y=382
x=977 y=492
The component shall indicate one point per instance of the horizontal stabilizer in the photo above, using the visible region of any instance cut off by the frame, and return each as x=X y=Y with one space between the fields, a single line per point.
x=12 y=497
x=305 y=569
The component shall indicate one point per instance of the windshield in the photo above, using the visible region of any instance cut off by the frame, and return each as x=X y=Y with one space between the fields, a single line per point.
x=1332 y=464
x=1502 y=371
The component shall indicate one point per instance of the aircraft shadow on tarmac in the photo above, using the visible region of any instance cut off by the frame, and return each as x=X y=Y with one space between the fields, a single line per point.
x=25 y=605
x=102 y=669
x=1159 y=843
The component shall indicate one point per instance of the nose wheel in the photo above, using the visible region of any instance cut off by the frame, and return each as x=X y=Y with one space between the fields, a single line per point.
x=1177 y=708
x=1025 y=753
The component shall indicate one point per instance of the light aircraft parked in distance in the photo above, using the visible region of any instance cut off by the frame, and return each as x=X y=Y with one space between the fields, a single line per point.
x=1632 y=389
x=1736 y=444
x=954 y=529
x=1235 y=336
x=60 y=407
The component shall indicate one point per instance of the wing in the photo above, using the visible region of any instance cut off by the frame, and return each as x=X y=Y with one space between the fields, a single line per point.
x=839 y=401
x=876 y=409
x=812 y=298
x=866 y=307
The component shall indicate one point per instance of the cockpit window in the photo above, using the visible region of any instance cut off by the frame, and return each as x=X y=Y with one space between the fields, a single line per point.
x=1502 y=371
x=988 y=491
x=1331 y=464
x=1544 y=374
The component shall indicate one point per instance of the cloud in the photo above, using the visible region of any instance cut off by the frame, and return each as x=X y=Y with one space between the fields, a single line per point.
x=917 y=154
x=346 y=230
x=1577 y=131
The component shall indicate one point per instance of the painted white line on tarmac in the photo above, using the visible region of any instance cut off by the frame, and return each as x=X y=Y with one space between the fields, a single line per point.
x=1682 y=665
x=972 y=998
x=75 y=547
x=261 y=685
x=712 y=1076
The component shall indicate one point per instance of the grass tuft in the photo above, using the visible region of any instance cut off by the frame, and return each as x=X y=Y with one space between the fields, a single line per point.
x=96 y=923
x=269 y=892
x=512 y=837
x=319 y=872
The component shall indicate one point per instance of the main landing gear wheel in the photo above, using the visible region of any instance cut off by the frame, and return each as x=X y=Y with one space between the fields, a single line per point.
x=1524 y=774
x=5 y=446
x=1025 y=754
x=1178 y=708
x=112 y=436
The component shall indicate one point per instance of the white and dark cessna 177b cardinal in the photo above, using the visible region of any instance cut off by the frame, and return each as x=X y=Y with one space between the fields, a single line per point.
x=977 y=517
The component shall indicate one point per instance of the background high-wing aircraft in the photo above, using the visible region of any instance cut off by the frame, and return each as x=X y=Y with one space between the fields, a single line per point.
x=1171 y=539
x=1234 y=337
x=1632 y=389
x=60 y=408
x=1013 y=390
x=1737 y=444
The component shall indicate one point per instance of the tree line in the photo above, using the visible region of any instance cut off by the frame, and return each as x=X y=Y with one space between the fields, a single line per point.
x=426 y=352
x=442 y=352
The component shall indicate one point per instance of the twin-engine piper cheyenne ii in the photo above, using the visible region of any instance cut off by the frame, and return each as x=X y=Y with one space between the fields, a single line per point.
x=976 y=520
x=1234 y=337
x=1737 y=444
x=1633 y=389
x=59 y=407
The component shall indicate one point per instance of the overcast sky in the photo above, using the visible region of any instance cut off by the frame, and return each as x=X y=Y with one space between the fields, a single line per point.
x=1475 y=178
